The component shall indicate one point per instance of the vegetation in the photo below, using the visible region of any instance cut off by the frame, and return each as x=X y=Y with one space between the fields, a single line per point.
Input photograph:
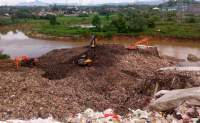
x=52 y=19
x=4 y=56
x=96 y=21
x=128 y=21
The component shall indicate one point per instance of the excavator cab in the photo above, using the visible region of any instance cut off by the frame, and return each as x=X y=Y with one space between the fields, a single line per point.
x=144 y=41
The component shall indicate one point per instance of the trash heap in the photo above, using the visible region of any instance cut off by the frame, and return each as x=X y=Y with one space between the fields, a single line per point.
x=183 y=115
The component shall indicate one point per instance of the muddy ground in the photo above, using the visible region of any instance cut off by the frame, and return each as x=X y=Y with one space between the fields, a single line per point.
x=118 y=79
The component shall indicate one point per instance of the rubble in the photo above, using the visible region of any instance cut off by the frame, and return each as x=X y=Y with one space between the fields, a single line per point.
x=39 y=120
x=118 y=79
x=187 y=69
x=193 y=58
x=172 y=99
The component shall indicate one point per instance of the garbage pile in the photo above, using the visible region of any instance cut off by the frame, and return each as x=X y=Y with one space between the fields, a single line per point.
x=119 y=79
x=135 y=116
x=39 y=120
x=176 y=106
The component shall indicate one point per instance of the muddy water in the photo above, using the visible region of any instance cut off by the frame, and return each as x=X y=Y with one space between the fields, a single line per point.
x=17 y=43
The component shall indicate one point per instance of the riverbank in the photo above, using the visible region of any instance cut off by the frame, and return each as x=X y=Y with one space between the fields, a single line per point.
x=68 y=29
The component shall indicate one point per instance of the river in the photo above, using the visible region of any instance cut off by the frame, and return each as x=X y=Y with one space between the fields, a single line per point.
x=17 y=43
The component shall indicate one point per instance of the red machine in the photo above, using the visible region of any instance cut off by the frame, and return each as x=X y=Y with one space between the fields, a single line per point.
x=144 y=41
x=25 y=61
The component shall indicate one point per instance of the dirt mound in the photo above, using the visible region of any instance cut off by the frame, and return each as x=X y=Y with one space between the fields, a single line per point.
x=113 y=79
x=7 y=65
x=118 y=79
x=60 y=63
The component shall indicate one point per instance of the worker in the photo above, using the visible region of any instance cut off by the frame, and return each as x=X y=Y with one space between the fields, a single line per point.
x=25 y=61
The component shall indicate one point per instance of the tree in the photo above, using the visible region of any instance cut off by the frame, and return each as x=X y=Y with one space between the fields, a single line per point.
x=191 y=19
x=119 y=23
x=136 y=23
x=96 y=21
x=23 y=13
x=52 y=19
x=151 y=23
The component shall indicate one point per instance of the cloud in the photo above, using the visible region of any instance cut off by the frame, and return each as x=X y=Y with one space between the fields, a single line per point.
x=12 y=2
x=83 y=2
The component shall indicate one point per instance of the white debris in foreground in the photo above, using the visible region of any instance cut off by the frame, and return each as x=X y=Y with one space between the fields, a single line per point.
x=189 y=69
x=135 y=116
x=39 y=120
x=108 y=116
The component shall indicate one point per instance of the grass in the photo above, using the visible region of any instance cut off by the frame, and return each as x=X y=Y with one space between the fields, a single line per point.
x=64 y=27
x=183 y=30
x=171 y=29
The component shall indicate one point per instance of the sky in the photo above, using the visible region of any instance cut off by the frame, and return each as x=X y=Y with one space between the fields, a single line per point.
x=83 y=2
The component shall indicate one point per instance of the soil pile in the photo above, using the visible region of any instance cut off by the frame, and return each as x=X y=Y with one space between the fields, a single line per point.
x=59 y=64
x=7 y=65
x=118 y=79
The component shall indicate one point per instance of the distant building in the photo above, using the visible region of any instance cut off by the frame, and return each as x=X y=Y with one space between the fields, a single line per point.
x=7 y=15
x=156 y=8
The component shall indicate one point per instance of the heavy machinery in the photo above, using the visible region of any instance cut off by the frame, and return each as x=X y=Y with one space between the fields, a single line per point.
x=86 y=59
x=144 y=41
x=25 y=61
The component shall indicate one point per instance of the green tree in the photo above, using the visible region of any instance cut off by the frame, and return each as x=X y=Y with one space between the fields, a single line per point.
x=4 y=56
x=119 y=23
x=151 y=23
x=23 y=13
x=136 y=24
x=96 y=21
x=52 y=19
x=191 y=19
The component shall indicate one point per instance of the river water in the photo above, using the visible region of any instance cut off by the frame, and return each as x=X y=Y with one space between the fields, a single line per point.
x=17 y=43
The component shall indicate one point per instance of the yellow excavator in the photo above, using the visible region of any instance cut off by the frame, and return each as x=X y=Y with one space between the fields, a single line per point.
x=86 y=59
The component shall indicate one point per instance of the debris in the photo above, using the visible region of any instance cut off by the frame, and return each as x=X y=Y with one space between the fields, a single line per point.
x=151 y=50
x=108 y=116
x=58 y=87
x=174 y=98
x=134 y=116
x=180 y=69
x=193 y=58
x=39 y=120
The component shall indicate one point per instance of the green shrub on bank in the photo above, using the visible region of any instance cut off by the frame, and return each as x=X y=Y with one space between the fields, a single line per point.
x=4 y=56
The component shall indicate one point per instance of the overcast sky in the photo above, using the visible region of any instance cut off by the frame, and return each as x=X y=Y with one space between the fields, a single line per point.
x=13 y=2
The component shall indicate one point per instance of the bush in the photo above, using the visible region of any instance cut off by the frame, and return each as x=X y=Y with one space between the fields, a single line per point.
x=96 y=21
x=4 y=56
x=137 y=24
x=191 y=19
x=83 y=15
x=52 y=20
x=118 y=24
x=151 y=23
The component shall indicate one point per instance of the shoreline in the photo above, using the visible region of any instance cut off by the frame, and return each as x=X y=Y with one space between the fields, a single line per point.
x=27 y=29
x=123 y=37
